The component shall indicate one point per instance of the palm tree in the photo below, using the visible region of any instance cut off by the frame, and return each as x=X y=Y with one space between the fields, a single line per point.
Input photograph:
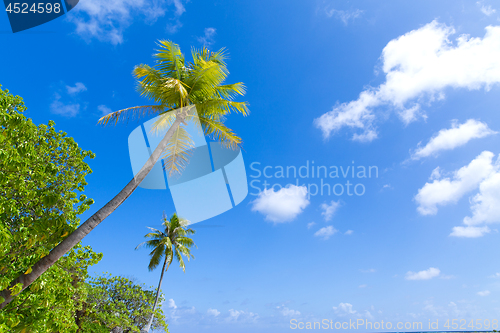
x=175 y=86
x=173 y=241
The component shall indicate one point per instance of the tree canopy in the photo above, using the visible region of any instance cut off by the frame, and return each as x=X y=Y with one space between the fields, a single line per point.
x=42 y=176
x=115 y=301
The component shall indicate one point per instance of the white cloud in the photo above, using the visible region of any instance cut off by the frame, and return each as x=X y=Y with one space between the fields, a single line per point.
x=458 y=135
x=344 y=309
x=349 y=232
x=423 y=275
x=287 y=312
x=171 y=304
x=469 y=232
x=367 y=136
x=329 y=209
x=496 y=275
x=362 y=286
x=208 y=38
x=67 y=110
x=241 y=316
x=481 y=174
x=486 y=10
x=104 y=109
x=485 y=205
x=445 y=191
x=213 y=312
x=181 y=313
x=66 y=101
x=107 y=20
x=78 y=88
x=179 y=7
x=344 y=15
x=418 y=67
x=484 y=293
x=310 y=225
x=283 y=205
x=179 y=10
x=435 y=174
x=326 y=232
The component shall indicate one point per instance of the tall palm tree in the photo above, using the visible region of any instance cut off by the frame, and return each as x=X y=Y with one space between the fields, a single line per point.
x=175 y=86
x=173 y=241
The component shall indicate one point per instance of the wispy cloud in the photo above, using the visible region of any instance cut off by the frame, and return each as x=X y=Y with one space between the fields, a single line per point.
x=423 y=275
x=469 y=231
x=326 y=232
x=213 y=312
x=65 y=101
x=208 y=37
x=107 y=20
x=346 y=310
x=179 y=315
x=176 y=24
x=484 y=293
x=343 y=15
x=104 y=110
x=78 y=88
x=241 y=316
x=456 y=136
x=328 y=210
x=419 y=66
x=486 y=9
x=287 y=312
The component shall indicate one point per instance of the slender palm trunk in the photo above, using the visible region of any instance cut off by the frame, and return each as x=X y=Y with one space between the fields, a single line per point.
x=148 y=326
x=83 y=230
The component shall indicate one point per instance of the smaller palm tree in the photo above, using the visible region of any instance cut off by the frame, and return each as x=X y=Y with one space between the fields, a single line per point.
x=167 y=244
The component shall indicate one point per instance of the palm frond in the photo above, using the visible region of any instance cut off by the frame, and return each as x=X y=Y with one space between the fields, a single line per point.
x=219 y=132
x=132 y=112
x=170 y=243
x=163 y=89
x=176 y=154
x=156 y=256
x=170 y=58
x=180 y=260
x=164 y=121
x=231 y=91
x=218 y=106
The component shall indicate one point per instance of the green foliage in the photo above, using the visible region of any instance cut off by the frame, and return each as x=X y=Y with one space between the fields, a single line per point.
x=172 y=242
x=50 y=304
x=41 y=172
x=117 y=301
x=174 y=83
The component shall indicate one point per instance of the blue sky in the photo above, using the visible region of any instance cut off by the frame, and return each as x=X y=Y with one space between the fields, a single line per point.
x=410 y=88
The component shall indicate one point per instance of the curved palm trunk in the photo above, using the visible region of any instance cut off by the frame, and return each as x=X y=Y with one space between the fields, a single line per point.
x=148 y=326
x=83 y=230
